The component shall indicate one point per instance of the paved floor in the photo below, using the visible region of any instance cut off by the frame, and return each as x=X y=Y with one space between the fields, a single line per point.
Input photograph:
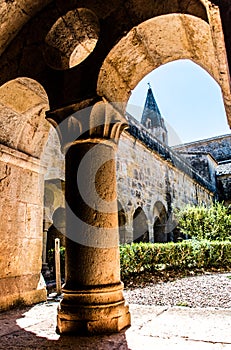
x=161 y=328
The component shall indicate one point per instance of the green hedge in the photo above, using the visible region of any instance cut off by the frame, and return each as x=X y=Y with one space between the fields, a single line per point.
x=140 y=257
x=136 y=258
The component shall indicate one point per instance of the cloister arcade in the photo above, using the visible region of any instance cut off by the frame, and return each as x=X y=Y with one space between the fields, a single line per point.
x=73 y=64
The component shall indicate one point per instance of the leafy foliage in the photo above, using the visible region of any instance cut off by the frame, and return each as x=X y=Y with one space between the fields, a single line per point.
x=140 y=257
x=201 y=222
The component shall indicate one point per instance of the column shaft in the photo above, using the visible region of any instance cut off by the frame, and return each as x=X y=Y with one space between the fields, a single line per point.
x=93 y=300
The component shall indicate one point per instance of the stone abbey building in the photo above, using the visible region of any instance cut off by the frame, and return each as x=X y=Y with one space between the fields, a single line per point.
x=73 y=64
x=152 y=179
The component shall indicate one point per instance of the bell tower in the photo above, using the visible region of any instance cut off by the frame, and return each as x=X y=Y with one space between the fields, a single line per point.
x=152 y=119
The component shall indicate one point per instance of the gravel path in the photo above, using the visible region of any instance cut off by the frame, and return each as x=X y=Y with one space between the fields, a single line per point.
x=208 y=290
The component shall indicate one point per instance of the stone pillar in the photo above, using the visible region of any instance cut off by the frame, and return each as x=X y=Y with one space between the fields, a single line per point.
x=151 y=232
x=93 y=301
x=45 y=269
x=21 y=213
x=46 y=226
x=44 y=253
x=129 y=228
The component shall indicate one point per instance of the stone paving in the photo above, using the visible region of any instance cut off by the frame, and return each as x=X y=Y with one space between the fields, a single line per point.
x=152 y=327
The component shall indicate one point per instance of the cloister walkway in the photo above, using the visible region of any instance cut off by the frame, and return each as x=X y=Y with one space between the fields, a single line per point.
x=153 y=327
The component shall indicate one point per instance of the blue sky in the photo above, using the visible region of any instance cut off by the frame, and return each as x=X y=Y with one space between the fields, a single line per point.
x=189 y=99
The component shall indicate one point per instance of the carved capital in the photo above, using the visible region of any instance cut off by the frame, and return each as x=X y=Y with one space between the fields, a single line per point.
x=75 y=123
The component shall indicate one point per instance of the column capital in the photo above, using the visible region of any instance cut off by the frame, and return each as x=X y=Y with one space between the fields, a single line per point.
x=88 y=121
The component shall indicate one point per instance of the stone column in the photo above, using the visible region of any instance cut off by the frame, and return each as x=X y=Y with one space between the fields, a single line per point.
x=45 y=268
x=151 y=232
x=46 y=225
x=93 y=301
x=129 y=228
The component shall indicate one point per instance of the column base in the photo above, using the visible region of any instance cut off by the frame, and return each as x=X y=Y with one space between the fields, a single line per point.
x=90 y=312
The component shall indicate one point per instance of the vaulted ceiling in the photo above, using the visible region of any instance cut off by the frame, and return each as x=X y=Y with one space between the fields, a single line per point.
x=64 y=45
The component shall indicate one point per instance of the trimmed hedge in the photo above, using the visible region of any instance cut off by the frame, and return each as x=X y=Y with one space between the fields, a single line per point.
x=137 y=258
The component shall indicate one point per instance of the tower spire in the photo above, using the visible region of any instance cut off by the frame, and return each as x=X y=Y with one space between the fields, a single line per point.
x=151 y=117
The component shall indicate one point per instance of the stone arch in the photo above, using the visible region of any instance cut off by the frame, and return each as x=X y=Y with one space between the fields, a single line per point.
x=138 y=10
x=146 y=51
x=140 y=226
x=160 y=221
x=71 y=39
x=158 y=41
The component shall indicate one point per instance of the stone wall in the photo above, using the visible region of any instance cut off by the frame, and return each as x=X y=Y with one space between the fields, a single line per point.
x=146 y=180
x=21 y=211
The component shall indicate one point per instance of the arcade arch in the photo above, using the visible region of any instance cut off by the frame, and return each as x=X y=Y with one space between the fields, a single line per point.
x=160 y=222
x=140 y=226
x=196 y=35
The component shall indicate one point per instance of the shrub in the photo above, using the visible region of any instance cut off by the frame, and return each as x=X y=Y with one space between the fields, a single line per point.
x=201 y=222
x=188 y=255
x=137 y=258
